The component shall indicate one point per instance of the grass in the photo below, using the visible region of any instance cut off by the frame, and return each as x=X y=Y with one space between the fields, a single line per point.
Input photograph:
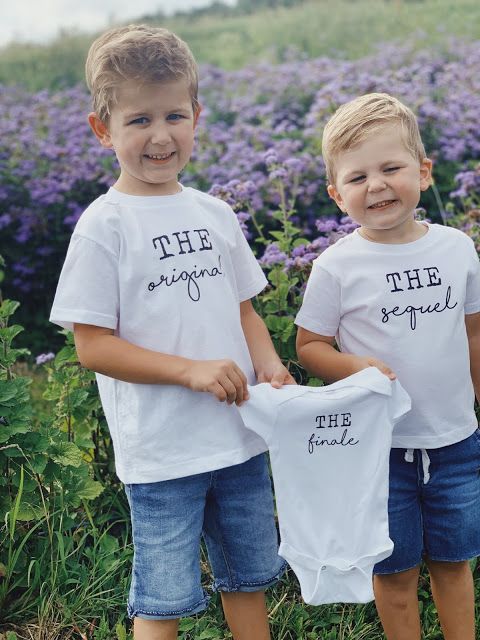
x=340 y=29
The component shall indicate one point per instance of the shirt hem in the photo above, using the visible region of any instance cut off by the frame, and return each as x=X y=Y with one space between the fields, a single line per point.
x=186 y=468
x=435 y=441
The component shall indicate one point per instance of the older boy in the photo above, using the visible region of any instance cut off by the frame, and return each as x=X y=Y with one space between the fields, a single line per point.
x=157 y=285
x=404 y=296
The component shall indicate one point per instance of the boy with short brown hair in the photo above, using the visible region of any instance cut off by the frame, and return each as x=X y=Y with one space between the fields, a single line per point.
x=157 y=286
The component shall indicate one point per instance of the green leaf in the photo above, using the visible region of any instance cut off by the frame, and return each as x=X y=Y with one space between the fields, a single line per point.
x=14 y=391
x=66 y=454
x=121 y=631
x=90 y=490
x=7 y=334
x=8 y=308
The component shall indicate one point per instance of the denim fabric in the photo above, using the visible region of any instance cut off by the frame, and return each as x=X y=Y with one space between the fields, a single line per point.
x=438 y=519
x=231 y=508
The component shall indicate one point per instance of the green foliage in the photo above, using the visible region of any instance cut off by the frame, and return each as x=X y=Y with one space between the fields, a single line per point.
x=50 y=469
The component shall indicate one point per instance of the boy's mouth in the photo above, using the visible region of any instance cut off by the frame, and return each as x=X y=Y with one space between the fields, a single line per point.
x=160 y=157
x=382 y=204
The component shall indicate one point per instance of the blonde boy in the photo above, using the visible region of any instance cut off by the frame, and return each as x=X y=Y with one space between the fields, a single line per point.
x=157 y=285
x=404 y=296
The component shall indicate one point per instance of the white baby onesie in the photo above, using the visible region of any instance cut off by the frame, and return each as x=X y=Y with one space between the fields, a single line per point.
x=329 y=451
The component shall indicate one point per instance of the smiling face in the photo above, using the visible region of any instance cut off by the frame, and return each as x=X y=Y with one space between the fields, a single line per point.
x=151 y=129
x=378 y=183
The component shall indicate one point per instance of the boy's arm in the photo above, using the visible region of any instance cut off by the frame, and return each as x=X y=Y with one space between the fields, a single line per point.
x=320 y=358
x=100 y=350
x=472 y=323
x=266 y=363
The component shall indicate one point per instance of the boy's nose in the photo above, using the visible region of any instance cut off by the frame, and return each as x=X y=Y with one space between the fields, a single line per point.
x=376 y=183
x=160 y=134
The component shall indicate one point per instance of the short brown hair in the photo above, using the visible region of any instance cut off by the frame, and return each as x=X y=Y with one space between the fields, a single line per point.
x=137 y=52
x=354 y=121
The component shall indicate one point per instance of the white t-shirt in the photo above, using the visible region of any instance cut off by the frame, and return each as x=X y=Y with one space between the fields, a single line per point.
x=329 y=449
x=405 y=304
x=167 y=273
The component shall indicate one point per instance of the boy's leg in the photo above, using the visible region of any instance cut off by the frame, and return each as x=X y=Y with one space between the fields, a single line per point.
x=451 y=513
x=167 y=519
x=242 y=544
x=155 y=629
x=396 y=599
x=396 y=578
x=453 y=593
x=246 y=615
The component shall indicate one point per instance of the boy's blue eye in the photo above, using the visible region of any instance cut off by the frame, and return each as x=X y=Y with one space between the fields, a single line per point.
x=141 y=120
x=391 y=169
x=175 y=116
x=357 y=179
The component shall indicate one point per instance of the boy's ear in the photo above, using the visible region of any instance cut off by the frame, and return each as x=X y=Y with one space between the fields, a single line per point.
x=335 y=195
x=425 y=174
x=100 y=130
x=196 y=114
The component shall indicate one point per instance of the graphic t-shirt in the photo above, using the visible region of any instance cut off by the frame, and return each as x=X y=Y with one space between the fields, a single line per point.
x=167 y=273
x=405 y=304
x=329 y=450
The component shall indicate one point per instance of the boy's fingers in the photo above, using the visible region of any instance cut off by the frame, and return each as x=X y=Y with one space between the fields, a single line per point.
x=230 y=388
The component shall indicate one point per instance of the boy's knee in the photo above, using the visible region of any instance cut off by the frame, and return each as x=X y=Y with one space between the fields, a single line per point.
x=155 y=629
x=400 y=583
x=447 y=570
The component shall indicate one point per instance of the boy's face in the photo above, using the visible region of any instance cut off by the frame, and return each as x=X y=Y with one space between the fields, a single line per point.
x=378 y=183
x=151 y=129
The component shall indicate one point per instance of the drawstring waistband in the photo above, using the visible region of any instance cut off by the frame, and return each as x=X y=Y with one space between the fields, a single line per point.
x=425 y=462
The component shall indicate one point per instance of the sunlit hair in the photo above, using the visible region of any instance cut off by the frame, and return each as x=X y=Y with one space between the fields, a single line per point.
x=137 y=52
x=357 y=120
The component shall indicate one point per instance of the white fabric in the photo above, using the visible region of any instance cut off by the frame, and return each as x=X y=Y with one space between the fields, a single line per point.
x=331 y=482
x=166 y=273
x=405 y=304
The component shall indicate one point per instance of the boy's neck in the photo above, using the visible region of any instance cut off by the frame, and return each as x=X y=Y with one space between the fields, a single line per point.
x=395 y=236
x=145 y=189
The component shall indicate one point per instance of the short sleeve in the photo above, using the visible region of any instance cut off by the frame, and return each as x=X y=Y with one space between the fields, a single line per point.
x=260 y=410
x=87 y=290
x=249 y=276
x=320 y=310
x=400 y=402
x=472 y=297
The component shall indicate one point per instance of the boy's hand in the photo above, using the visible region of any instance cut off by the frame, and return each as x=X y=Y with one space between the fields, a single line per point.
x=277 y=374
x=223 y=378
x=367 y=361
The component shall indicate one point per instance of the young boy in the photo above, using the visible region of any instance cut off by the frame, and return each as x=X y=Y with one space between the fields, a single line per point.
x=404 y=296
x=157 y=285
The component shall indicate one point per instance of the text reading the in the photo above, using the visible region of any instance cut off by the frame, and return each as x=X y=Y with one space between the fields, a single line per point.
x=182 y=242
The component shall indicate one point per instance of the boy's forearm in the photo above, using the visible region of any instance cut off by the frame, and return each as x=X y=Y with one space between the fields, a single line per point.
x=258 y=339
x=472 y=323
x=117 y=358
x=324 y=361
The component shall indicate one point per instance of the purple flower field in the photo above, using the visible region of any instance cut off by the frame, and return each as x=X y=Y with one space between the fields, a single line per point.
x=260 y=128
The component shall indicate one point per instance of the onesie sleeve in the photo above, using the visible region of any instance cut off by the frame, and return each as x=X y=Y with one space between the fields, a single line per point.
x=259 y=412
x=472 y=298
x=320 y=310
x=400 y=402
x=87 y=290
x=249 y=276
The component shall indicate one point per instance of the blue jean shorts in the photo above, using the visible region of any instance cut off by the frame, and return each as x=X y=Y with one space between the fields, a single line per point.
x=231 y=508
x=434 y=505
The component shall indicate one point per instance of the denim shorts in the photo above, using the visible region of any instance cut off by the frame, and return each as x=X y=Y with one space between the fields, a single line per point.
x=434 y=505
x=231 y=508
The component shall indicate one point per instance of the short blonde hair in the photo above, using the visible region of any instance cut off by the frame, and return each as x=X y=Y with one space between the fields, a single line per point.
x=356 y=120
x=137 y=52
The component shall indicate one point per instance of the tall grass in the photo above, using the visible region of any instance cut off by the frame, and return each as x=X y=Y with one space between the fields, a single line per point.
x=340 y=28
